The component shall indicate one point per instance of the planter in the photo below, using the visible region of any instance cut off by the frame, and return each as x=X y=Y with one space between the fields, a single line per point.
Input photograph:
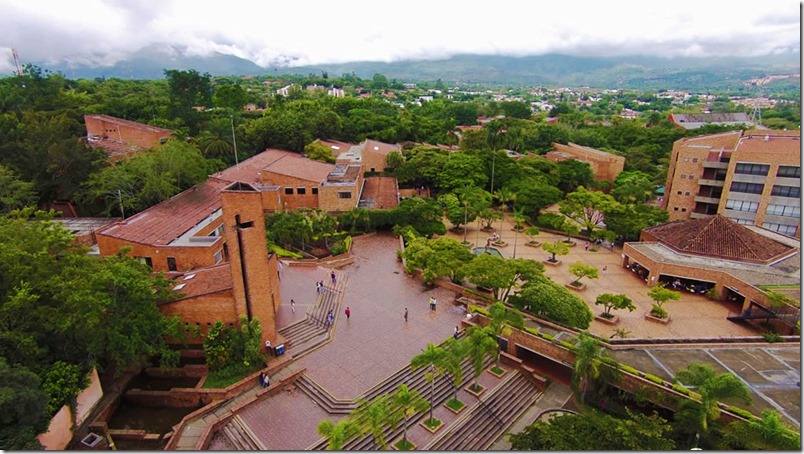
x=480 y=390
x=548 y=262
x=498 y=375
x=411 y=447
x=578 y=287
x=463 y=405
x=652 y=318
x=432 y=430
x=533 y=244
x=609 y=321
x=499 y=243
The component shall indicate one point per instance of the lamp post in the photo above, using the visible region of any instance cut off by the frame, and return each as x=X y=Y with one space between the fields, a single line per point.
x=234 y=139
x=516 y=235
x=465 y=216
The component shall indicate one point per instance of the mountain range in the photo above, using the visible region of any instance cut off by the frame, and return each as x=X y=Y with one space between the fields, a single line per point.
x=638 y=71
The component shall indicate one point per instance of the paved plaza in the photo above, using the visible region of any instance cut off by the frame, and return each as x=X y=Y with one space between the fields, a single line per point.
x=376 y=341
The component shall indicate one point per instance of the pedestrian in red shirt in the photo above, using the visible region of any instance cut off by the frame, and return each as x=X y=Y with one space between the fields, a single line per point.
x=348 y=312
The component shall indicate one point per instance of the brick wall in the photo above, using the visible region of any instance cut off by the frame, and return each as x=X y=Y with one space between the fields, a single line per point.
x=255 y=276
x=372 y=159
x=680 y=192
x=330 y=200
x=203 y=311
x=143 y=137
x=292 y=201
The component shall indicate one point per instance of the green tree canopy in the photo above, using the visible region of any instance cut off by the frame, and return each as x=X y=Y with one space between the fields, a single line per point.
x=544 y=298
x=501 y=275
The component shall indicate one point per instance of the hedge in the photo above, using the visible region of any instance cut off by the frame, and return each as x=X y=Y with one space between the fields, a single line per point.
x=681 y=389
x=654 y=379
x=567 y=345
x=740 y=412
x=479 y=310
x=629 y=369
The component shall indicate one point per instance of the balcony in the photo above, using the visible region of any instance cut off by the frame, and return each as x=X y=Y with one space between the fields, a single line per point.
x=715 y=165
x=718 y=183
x=695 y=215
x=709 y=200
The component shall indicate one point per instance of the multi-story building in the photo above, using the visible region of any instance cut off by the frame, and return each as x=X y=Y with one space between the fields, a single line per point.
x=752 y=177
x=605 y=166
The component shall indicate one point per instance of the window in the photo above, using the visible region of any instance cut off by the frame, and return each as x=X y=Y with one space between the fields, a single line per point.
x=315 y=191
x=219 y=256
x=687 y=193
x=289 y=191
x=692 y=177
x=683 y=176
x=786 y=191
x=741 y=205
x=743 y=221
x=784 y=210
x=171 y=263
x=301 y=191
x=220 y=230
x=694 y=159
x=789 y=172
x=751 y=169
x=781 y=228
x=146 y=261
x=686 y=159
x=750 y=188
x=683 y=210
x=344 y=195
x=675 y=208
x=679 y=193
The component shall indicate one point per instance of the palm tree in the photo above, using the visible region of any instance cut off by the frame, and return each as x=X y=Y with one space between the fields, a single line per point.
x=588 y=363
x=471 y=197
x=712 y=388
x=216 y=140
x=505 y=196
x=338 y=434
x=502 y=319
x=372 y=417
x=432 y=357
x=455 y=352
x=405 y=403
x=479 y=345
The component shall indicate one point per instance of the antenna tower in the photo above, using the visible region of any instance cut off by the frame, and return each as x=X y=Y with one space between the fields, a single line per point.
x=17 y=61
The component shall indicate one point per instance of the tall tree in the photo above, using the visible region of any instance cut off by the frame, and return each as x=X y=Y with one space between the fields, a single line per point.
x=712 y=388
x=373 y=417
x=501 y=275
x=406 y=402
x=337 y=434
x=587 y=208
x=431 y=357
x=588 y=365
x=479 y=345
x=502 y=321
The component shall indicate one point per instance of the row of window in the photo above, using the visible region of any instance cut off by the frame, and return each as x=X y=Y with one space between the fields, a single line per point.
x=683 y=210
x=784 y=229
x=742 y=205
x=171 y=261
x=749 y=188
x=784 y=210
x=786 y=191
x=300 y=191
x=789 y=172
x=751 y=169
x=685 y=176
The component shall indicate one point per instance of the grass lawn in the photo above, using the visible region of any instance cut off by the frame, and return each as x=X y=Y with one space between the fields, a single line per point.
x=455 y=404
x=432 y=423
x=217 y=380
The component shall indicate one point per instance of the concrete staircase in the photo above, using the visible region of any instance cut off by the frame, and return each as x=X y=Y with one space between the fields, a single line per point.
x=485 y=422
x=241 y=436
x=304 y=336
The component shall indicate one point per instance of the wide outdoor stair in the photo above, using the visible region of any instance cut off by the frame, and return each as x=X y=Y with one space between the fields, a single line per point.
x=493 y=415
x=240 y=436
x=324 y=399
x=443 y=390
x=306 y=334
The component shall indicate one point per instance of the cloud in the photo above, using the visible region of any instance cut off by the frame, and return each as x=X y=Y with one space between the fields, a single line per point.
x=101 y=32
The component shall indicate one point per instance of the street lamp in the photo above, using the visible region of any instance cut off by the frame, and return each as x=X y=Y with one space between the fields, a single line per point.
x=465 y=216
x=234 y=139
x=516 y=234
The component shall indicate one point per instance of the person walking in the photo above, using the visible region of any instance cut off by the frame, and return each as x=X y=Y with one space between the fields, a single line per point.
x=332 y=275
x=348 y=312
x=292 y=306
x=605 y=267
x=268 y=347
x=455 y=333
x=406 y=314
x=318 y=287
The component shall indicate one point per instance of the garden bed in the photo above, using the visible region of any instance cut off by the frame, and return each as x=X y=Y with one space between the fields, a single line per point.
x=613 y=320
x=653 y=318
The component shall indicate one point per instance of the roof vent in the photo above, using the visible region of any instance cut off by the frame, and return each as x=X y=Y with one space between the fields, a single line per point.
x=179 y=287
x=188 y=277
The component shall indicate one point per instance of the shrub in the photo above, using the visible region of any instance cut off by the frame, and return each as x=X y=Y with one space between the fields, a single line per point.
x=771 y=337
x=548 y=337
x=479 y=310
x=611 y=362
x=681 y=389
x=567 y=345
x=533 y=331
x=629 y=369
x=654 y=379
x=658 y=311
x=740 y=412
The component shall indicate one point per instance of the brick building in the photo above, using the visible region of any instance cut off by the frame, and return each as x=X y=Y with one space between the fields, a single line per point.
x=739 y=262
x=695 y=121
x=121 y=139
x=605 y=166
x=371 y=154
x=752 y=177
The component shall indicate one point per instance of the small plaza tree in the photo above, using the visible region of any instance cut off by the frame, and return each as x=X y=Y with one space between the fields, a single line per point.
x=581 y=270
x=610 y=301
x=531 y=233
x=557 y=248
x=455 y=352
x=661 y=295
x=501 y=275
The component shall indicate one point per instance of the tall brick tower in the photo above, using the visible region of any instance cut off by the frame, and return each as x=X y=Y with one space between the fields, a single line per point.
x=255 y=275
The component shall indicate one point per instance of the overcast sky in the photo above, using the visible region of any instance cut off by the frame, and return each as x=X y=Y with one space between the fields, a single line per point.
x=315 y=31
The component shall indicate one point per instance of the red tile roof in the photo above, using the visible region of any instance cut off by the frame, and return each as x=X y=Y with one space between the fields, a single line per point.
x=336 y=146
x=380 y=147
x=128 y=123
x=294 y=165
x=719 y=236
x=248 y=171
x=207 y=280
x=166 y=221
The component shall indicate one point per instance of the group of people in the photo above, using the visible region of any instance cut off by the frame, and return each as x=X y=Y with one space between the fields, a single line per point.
x=432 y=304
x=263 y=379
